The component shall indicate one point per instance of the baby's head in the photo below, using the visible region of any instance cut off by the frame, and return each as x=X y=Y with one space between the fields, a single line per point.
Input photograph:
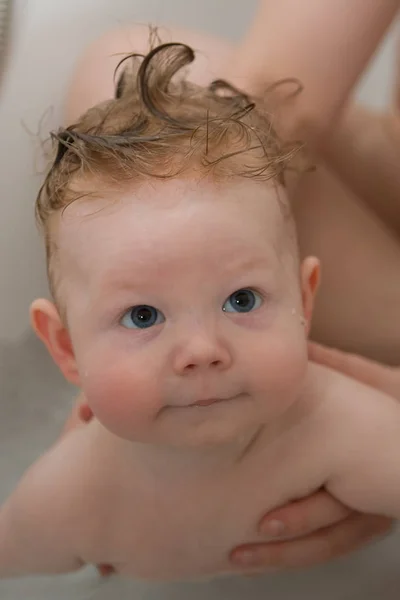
x=180 y=306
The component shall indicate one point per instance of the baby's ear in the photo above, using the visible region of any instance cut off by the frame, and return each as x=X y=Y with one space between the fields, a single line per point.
x=49 y=327
x=310 y=278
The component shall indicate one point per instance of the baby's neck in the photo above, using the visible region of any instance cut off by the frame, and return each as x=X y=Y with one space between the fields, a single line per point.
x=213 y=460
x=219 y=459
x=210 y=459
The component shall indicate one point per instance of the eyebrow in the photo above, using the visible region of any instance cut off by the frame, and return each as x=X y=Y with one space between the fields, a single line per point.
x=124 y=278
x=119 y=280
x=258 y=261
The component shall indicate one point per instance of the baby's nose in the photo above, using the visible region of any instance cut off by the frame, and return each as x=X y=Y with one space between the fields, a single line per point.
x=202 y=352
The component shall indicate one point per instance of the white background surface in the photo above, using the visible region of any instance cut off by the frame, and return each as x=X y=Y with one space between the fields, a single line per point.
x=48 y=35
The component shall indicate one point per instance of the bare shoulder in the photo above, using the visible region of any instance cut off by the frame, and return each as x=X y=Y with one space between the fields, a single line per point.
x=345 y=397
x=92 y=456
x=352 y=418
x=68 y=474
x=67 y=464
x=83 y=471
x=361 y=427
x=49 y=519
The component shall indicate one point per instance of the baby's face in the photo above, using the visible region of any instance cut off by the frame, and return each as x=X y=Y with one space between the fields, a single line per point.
x=183 y=303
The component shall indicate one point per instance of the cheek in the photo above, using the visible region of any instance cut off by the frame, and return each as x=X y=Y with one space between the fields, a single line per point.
x=124 y=397
x=278 y=366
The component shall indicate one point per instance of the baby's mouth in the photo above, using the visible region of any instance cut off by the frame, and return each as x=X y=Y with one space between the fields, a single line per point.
x=208 y=402
x=211 y=401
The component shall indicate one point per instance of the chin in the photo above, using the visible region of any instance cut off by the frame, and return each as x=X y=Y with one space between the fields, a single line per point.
x=210 y=435
x=210 y=426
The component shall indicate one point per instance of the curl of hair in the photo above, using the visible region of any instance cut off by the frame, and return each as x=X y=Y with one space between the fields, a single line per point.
x=161 y=125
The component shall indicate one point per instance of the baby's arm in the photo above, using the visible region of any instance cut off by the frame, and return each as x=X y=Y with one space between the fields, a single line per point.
x=39 y=523
x=363 y=441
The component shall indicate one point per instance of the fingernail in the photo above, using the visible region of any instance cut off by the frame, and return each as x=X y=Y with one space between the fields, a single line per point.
x=245 y=558
x=273 y=528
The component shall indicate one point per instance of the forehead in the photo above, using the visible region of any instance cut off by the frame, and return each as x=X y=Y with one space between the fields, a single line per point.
x=170 y=220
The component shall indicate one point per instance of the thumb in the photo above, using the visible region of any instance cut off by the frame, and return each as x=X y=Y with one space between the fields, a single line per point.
x=367 y=371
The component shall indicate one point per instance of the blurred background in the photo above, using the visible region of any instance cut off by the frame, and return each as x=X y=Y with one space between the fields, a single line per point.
x=46 y=38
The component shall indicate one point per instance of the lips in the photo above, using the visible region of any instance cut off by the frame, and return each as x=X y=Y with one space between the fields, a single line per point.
x=209 y=401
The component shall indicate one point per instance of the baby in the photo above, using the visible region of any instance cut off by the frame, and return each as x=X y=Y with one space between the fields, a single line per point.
x=181 y=310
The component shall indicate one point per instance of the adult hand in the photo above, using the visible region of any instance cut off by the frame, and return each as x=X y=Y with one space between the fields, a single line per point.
x=309 y=532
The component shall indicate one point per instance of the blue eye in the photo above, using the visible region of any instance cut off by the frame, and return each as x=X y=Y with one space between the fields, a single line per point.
x=142 y=317
x=242 y=301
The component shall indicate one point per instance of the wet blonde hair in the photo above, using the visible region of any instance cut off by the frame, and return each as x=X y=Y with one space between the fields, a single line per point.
x=159 y=125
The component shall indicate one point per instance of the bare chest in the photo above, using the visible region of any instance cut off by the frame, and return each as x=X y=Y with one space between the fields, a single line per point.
x=183 y=526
